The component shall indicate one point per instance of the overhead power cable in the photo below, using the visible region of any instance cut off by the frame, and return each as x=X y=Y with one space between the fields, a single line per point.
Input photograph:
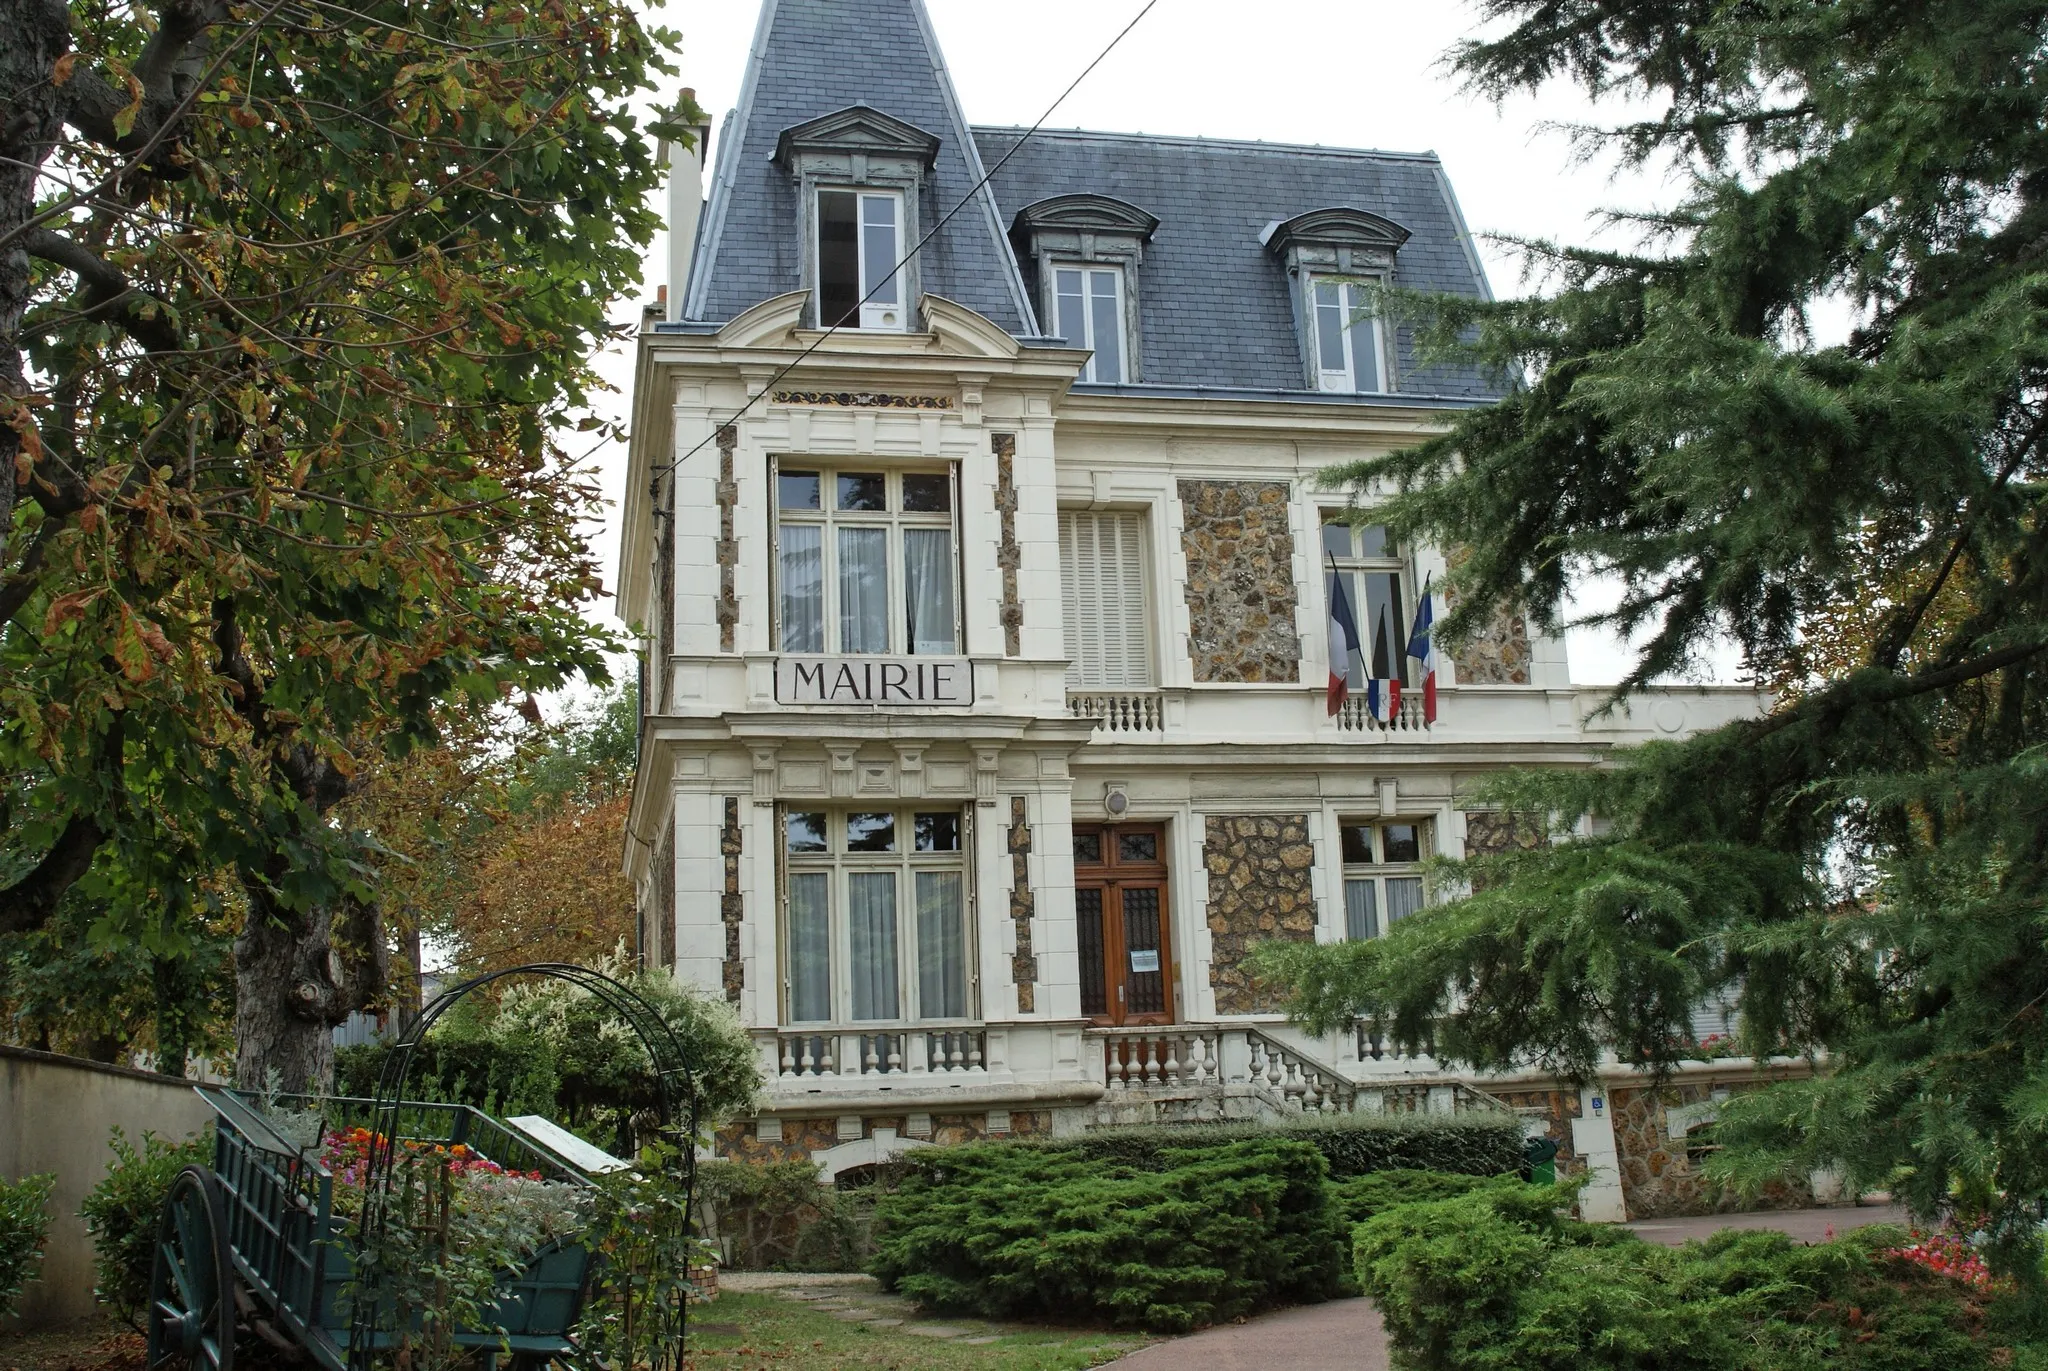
x=654 y=481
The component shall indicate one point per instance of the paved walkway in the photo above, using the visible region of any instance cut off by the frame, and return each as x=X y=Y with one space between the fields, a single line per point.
x=1345 y=1335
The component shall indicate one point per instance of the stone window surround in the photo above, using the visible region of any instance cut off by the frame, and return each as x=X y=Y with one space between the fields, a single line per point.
x=1084 y=231
x=1339 y=241
x=858 y=148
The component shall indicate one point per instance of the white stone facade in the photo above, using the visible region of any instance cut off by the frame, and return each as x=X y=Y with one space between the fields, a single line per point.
x=960 y=396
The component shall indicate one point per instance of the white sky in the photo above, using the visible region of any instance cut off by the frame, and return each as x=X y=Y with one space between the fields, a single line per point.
x=1348 y=73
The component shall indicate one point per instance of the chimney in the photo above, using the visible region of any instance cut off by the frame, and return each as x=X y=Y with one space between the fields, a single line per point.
x=685 y=207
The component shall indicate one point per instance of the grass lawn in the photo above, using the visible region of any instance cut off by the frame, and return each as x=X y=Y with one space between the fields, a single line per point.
x=742 y=1331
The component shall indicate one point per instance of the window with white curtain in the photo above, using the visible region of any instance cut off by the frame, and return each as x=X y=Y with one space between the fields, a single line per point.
x=866 y=561
x=1382 y=874
x=1350 y=345
x=875 y=916
x=1103 y=583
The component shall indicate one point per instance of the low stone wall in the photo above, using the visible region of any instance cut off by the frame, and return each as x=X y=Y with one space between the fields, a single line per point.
x=55 y=1116
x=1664 y=1138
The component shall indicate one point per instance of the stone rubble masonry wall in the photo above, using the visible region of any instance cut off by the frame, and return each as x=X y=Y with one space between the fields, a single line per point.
x=803 y=1138
x=1560 y=1105
x=1492 y=832
x=1661 y=1175
x=1009 y=556
x=728 y=544
x=662 y=952
x=1497 y=654
x=1259 y=889
x=1024 y=962
x=732 y=904
x=1240 y=586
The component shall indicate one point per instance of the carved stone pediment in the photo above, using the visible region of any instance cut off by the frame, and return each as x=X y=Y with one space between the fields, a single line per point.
x=857 y=129
x=1336 y=227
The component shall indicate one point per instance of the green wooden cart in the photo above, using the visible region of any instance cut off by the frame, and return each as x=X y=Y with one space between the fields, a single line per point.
x=255 y=1237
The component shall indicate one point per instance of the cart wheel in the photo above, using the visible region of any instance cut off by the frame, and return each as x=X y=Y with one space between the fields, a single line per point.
x=192 y=1282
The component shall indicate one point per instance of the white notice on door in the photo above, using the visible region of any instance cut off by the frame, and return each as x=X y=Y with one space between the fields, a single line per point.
x=1146 y=959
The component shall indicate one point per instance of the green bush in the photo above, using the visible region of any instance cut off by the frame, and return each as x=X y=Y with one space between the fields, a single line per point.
x=1352 y=1144
x=1360 y=1197
x=778 y=1218
x=121 y=1213
x=24 y=1224
x=1497 y=1278
x=1193 y=1237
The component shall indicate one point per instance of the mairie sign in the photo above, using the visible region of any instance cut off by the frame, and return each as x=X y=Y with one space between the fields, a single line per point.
x=874 y=681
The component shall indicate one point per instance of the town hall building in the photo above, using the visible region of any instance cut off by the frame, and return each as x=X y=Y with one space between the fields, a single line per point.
x=986 y=588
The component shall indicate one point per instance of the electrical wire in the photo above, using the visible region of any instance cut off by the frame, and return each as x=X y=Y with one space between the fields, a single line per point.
x=654 y=481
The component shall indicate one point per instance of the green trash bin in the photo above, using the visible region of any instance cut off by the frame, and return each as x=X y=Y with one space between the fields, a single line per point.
x=1539 y=1160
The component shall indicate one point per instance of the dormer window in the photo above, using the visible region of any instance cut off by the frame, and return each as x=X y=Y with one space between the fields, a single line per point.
x=1088 y=249
x=1090 y=314
x=1338 y=256
x=1350 y=346
x=860 y=242
x=858 y=173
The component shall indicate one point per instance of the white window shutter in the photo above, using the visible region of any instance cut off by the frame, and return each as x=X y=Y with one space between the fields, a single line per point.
x=1102 y=573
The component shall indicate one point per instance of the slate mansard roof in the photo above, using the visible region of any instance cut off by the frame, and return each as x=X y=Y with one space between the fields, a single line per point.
x=1215 y=311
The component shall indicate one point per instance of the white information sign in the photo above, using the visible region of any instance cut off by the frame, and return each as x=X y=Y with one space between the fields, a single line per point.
x=1144 y=959
x=566 y=1145
x=874 y=681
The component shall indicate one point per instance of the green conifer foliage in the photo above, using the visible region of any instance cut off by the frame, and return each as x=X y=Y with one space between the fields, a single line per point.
x=1864 y=865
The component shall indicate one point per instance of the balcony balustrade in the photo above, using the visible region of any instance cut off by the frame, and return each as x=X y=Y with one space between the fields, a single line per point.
x=900 y=1052
x=1120 y=713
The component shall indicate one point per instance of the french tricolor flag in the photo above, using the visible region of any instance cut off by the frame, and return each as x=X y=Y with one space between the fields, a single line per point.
x=1344 y=643
x=1422 y=647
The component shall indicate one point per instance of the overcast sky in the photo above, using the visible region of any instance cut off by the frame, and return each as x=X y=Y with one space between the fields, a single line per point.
x=1347 y=73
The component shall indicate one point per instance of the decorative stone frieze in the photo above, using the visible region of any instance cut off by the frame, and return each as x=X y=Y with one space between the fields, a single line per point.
x=862 y=399
x=1259 y=890
x=1008 y=555
x=1240 y=585
x=728 y=545
x=1024 y=962
x=733 y=904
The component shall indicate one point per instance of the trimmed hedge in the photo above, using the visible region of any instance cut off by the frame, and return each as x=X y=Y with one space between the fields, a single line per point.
x=1361 y=1197
x=1192 y=1237
x=1498 y=1278
x=1352 y=1144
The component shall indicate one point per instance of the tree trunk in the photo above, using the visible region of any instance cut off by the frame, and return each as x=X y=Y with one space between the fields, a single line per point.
x=38 y=33
x=297 y=975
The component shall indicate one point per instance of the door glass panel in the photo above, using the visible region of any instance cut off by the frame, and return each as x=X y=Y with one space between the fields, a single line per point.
x=878 y=246
x=871 y=939
x=928 y=590
x=838 y=258
x=1137 y=847
x=1404 y=897
x=1094 y=990
x=871 y=832
x=941 y=946
x=863 y=590
x=810 y=947
x=1146 y=974
x=1088 y=848
x=802 y=583
x=1361 y=910
x=1108 y=364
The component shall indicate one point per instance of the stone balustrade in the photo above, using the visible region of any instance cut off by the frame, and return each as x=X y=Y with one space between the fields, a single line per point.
x=1121 y=713
x=840 y=1054
x=1155 y=1058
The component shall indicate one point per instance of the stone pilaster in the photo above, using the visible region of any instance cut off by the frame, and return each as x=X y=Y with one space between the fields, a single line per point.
x=1024 y=962
x=1009 y=556
x=728 y=545
x=732 y=904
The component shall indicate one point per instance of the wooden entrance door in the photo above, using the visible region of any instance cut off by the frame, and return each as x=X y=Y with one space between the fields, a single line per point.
x=1125 y=932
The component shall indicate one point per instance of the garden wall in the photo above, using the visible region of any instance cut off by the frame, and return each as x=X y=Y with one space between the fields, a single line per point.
x=55 y=1115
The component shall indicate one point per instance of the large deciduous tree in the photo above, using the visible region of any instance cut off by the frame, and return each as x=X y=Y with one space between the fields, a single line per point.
x=1866 y=865
x=293 y=298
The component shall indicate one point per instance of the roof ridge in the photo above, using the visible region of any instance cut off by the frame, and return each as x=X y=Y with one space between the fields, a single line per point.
x=1198 y=140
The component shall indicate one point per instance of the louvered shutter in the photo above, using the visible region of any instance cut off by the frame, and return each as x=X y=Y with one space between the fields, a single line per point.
x=1102 y=573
